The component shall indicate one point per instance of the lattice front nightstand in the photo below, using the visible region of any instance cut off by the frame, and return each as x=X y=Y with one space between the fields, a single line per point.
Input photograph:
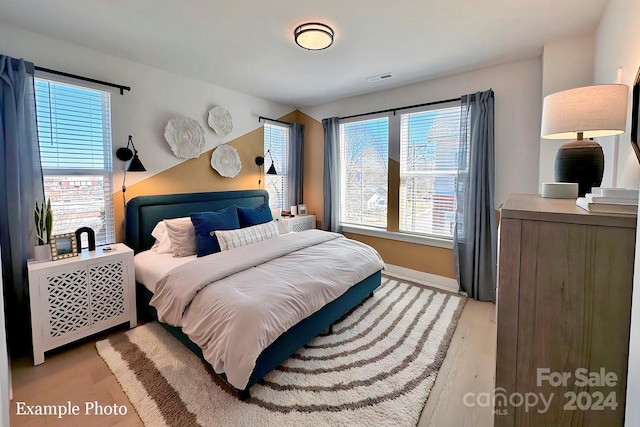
x=298 y=223
x=77 y=297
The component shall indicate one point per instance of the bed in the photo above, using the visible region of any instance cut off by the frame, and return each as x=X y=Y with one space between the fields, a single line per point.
x=144 y=212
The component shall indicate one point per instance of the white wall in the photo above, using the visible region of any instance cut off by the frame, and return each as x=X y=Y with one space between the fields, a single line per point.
x=518 y=107
x=618 y=46
x=156 y=96
x=566 y=64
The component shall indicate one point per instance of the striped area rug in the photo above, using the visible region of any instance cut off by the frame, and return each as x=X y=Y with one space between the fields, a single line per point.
x=376 y=369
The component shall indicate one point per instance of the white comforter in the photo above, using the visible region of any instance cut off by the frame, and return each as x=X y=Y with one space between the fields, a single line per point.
x=234 y=304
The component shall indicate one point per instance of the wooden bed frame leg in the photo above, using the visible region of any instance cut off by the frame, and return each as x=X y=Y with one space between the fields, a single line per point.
x=244 y=394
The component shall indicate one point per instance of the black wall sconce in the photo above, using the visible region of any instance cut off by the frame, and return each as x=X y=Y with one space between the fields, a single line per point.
x=125 y=154
x=260 y=163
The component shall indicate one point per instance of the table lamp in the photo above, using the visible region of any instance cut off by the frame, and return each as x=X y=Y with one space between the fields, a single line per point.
x=584 y=112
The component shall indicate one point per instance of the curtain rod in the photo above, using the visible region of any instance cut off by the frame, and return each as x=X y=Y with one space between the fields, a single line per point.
x=272 y=120
x=389 y=110
x=86 y=79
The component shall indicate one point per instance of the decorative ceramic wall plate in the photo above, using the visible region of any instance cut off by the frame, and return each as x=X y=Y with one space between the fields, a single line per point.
x=226 y=161
x=185 y=136
x=220 y=121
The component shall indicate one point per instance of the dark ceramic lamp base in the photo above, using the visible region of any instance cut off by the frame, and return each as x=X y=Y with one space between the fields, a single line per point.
x=580 y=161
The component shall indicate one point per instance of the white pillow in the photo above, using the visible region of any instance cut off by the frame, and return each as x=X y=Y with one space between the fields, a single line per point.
x=229 y=239
x=163 y=244
x=182 y=236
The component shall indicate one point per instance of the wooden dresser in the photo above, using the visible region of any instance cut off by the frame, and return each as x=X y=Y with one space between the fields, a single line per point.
x=563 y=314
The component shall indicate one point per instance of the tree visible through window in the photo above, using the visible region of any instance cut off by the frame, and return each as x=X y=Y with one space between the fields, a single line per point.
x=429 y=145
x=427 y=141
x=363 y=172
x=74 y=134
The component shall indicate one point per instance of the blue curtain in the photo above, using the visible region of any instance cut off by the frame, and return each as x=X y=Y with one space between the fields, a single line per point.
x=330 y=177
x=20 y=186
x=295 y=165
x=475 y=236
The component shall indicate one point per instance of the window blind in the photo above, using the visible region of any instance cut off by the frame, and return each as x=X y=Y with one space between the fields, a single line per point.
x=276 y=139
x=74 y=134
x=364 y=149
x=429 y=147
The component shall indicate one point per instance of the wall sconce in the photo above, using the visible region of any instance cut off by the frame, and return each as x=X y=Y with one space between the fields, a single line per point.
x=125 y=154
x=260 y=163
x=272 y=168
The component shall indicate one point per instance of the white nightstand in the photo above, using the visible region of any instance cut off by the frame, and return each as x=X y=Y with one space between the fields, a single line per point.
x=298 y=222
x=77 y=297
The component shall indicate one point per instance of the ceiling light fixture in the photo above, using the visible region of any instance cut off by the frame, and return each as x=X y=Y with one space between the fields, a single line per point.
x=313 y=36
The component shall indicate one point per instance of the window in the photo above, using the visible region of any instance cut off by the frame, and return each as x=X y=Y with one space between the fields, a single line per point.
x=429 y=145
x=74 y=134
x=426 y=142
x=276 y=149
x=363 y=172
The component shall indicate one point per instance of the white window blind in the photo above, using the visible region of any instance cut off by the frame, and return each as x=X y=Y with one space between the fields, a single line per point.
x=364 y=149
x=276 y=140
x=74 y=134
x=429 y=147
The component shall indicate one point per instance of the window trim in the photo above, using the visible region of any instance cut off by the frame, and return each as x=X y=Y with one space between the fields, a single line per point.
x=107 y=171
x=394 y=150
x=267 y=160
x=421 y=239
x=376 y=116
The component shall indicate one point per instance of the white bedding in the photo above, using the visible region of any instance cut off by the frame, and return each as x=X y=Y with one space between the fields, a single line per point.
x=151 y=266
x=234 y=304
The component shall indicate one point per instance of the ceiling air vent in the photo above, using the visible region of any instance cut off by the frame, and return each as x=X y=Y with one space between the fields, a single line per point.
x=379 y=77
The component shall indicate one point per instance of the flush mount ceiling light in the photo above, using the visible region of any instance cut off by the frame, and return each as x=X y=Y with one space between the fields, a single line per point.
x=313 y=36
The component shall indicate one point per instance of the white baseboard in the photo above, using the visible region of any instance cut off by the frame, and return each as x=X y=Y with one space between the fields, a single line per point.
x=428 y=279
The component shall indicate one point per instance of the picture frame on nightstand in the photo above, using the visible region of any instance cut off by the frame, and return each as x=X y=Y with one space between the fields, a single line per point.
x=63 y=246
x=302 y=209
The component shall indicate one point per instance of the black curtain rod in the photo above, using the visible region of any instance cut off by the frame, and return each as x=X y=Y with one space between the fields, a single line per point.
x=408 y=107
x=86 y=79
x=389 y=110
x=261 y=118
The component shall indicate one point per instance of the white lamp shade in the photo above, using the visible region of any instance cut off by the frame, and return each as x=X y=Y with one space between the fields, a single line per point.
x=599 y=110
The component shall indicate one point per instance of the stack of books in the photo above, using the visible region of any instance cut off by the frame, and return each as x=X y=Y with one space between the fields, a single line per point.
x=610 y=200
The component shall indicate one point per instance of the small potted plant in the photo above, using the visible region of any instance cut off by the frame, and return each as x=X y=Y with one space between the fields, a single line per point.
x=43 y=218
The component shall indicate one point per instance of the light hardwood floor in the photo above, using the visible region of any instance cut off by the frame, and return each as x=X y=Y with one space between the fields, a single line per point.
x=78 y=374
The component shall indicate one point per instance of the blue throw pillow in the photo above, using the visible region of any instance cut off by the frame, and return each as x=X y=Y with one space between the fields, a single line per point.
x=254 y=216
x=206 y=222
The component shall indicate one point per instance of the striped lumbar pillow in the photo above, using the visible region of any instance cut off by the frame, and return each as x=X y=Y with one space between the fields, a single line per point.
x=230 y=239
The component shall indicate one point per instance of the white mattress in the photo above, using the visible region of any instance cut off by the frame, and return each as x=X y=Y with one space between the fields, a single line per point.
x=151 y=266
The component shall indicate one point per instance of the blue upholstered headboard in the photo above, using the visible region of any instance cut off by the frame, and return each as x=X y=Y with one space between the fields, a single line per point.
x=142 y=213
